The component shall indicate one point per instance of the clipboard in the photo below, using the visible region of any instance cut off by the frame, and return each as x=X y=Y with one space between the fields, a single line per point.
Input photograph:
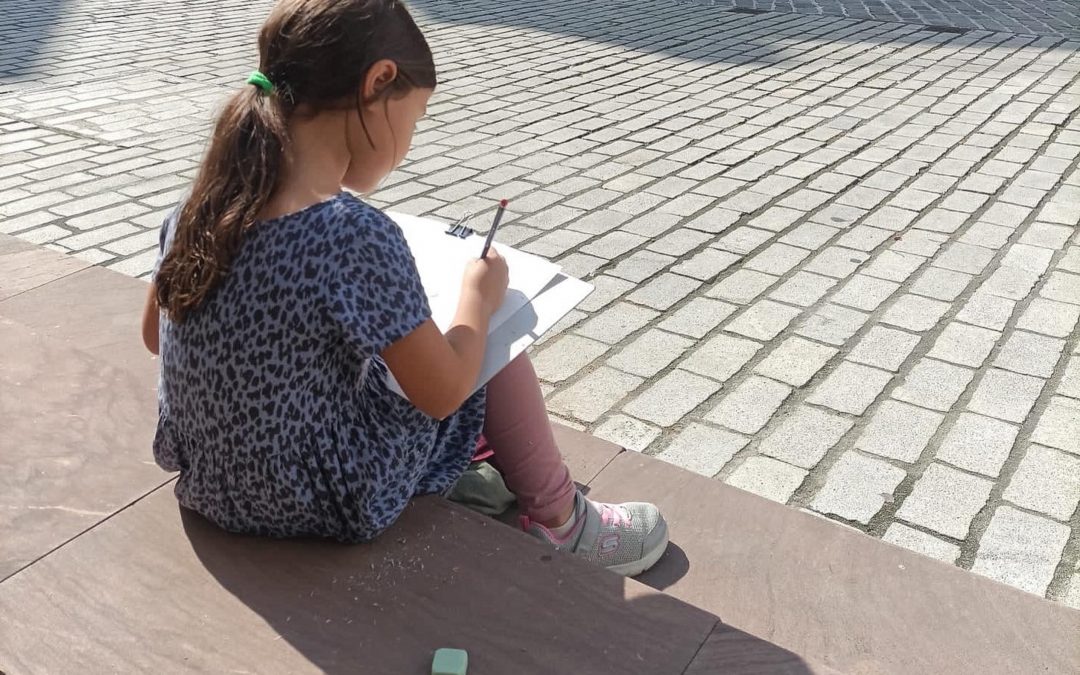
x=537 y=297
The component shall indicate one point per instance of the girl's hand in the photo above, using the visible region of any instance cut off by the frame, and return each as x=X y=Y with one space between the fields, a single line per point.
x=487 y=278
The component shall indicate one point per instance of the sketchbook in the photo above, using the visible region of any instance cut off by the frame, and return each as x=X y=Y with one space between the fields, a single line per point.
x=537 y=297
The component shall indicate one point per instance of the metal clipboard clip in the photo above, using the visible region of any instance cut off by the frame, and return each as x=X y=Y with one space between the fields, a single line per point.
x=461 y=229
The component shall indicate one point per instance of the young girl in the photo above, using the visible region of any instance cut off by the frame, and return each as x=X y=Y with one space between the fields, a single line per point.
x=280 y=303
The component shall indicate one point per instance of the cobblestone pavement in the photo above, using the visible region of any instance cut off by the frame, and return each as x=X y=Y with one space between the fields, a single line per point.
x=836 y=260
x=1026 y=17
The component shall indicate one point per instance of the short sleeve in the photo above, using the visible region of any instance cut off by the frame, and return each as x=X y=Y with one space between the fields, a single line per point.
x=165 y=239
x=377 y=297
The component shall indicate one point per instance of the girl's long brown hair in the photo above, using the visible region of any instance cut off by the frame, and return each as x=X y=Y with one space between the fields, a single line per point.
x=316 y=53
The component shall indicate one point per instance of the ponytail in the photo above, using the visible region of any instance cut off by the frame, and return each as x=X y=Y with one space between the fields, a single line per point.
x=237 y=178
x=315 y=53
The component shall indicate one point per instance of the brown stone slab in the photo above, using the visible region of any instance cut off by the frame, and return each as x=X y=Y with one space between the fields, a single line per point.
x=95 y=310
x=834 y=595
x=585 y=455
x=151 y=591
x=733 y=652
x=24 y=266
x=75 y=443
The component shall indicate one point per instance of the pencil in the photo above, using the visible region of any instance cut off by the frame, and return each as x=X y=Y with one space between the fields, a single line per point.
x=494 y=226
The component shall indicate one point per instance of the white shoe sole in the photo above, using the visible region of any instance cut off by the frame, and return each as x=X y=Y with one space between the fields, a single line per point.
x=636 y=567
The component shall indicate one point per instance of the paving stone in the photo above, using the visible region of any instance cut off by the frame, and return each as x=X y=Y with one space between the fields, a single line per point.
x=679 y=242
x=810 y=236
x=961 y=257
x=664 y=291
x=1021 y=549
x=616 y=322
x=979 y=444
x=748 y=407
x=1048 y=317
x=1028 y=258
x=945 y=500
x=1059 y=425
x=672 y=397
x=921 y=542
x=703 y=449
x=606 y=289
x=795 y=361
x=1070 y=380
x=940 y=283
x=715 y=220
x=706 y=265
x=743 y=240
x=767 y=477
x=851 y=388
x=898 y=431
x=611 y=245
x=698 y=317
x=1047 y=235
x=832 y=324
x=915 y=313
x=1005 y=395
x=650 y=353
x=627 y=432
x=986 y=310
x=836 y=262
x=990 y=236
x=581 y=266
x=865 y=292
x=965 y=345
x=763 y=320
x=856 y=487
x=566 y=356
x=742 y=286
x=1010 y=282
x=894 y=265
x=803 y=289
x=777 y=259
x=641 y=265
x=1047 y=481
x=884 y=348
x=891 y=218
x=776 y=219
x=593 y=395
x=1030 y=354
x=805 y=436
x=555 y=243
x=1062 y=287
x=721 y=357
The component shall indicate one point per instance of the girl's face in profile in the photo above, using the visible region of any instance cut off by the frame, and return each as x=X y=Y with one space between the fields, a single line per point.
x=390 y=123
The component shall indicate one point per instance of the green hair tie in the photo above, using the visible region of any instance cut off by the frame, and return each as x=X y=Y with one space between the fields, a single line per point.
x=261 y=81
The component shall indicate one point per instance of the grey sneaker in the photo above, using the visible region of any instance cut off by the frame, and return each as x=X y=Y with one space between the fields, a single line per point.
x=625 y=538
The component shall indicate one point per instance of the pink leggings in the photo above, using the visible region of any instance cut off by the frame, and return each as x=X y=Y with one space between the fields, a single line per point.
x=517 y=431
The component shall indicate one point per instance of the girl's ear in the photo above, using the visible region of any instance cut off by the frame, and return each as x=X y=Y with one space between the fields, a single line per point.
x=378 y=78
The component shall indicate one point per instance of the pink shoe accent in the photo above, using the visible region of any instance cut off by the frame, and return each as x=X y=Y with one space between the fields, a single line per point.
x=610 y=515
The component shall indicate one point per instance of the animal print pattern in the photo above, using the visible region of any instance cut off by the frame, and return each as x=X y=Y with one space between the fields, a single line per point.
x=273 y=400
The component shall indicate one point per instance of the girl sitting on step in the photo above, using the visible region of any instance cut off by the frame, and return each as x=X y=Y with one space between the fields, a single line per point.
x=280 y=303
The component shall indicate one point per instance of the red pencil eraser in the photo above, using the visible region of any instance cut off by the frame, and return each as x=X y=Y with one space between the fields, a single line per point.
x=503 y=203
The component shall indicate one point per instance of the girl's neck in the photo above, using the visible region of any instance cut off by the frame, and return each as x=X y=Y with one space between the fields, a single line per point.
x=313 y=168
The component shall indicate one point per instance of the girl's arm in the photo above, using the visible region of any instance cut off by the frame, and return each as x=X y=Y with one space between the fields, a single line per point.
x=438 y=372
x=150 y=321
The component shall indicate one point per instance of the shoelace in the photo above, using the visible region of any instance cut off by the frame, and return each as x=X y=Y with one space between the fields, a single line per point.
x=612 y=516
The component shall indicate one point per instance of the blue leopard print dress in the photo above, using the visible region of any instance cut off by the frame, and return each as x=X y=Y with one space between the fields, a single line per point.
x=273 y=401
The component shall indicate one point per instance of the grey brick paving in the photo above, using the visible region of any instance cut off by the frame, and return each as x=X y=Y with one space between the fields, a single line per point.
x=835 y=253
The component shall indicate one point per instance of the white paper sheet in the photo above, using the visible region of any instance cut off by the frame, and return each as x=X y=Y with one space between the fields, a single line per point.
x=442 y=258
x=539 y=295
x=525 y=327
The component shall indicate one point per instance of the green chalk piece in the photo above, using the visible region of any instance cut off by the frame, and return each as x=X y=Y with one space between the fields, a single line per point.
x=450 y=662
